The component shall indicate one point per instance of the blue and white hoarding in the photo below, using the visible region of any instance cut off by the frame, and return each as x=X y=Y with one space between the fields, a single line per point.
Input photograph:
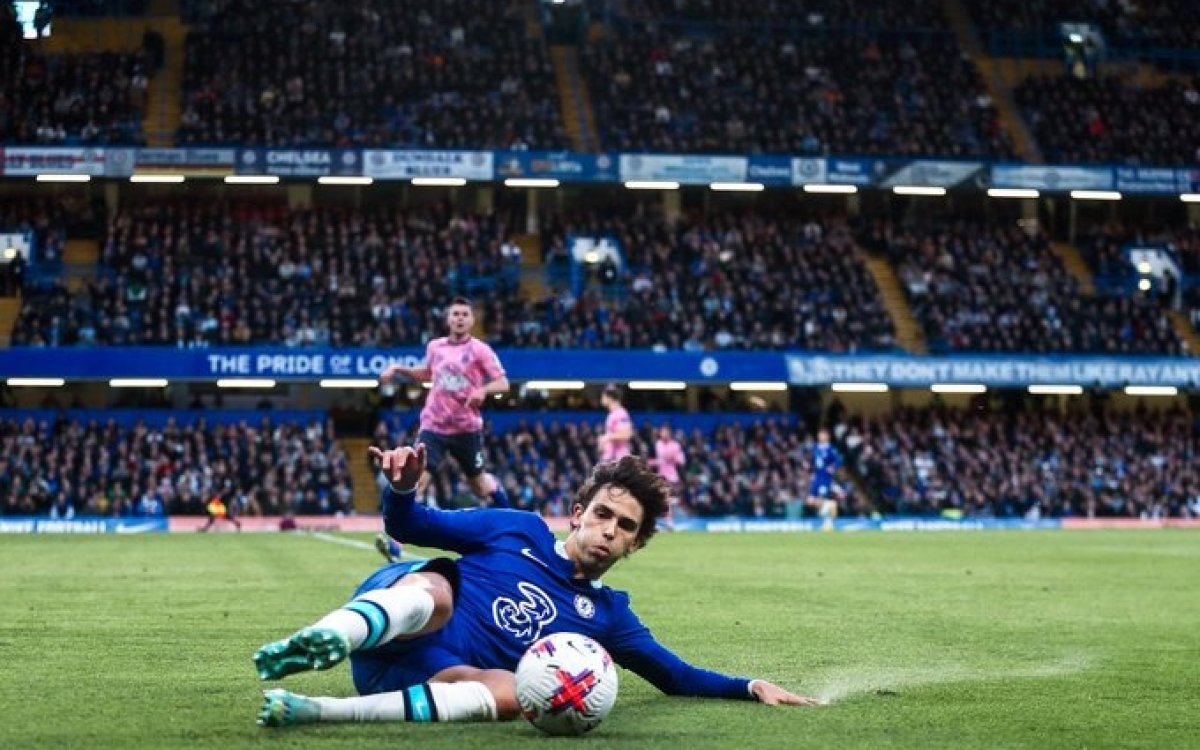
x=405 y=165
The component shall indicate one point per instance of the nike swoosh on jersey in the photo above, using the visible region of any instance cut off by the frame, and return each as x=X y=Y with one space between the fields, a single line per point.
x=529 y=553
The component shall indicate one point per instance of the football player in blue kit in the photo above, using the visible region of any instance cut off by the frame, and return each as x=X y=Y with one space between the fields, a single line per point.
x=823 y=491
x=438 y=640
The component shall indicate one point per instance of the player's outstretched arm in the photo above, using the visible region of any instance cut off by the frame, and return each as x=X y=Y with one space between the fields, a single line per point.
x=773 y=695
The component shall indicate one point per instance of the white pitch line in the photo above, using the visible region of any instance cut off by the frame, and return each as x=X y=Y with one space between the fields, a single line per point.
x=322 y=536
x=339 y=540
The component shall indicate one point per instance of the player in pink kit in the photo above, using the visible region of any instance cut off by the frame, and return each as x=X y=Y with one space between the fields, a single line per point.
x=617 y=440
x=463 y=372
x=668 y=459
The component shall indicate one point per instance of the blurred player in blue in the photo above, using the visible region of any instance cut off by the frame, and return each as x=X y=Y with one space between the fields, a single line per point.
x=822 y=489
x=439 y=640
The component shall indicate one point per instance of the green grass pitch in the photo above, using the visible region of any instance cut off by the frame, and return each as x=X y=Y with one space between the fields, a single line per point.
x=988 y=640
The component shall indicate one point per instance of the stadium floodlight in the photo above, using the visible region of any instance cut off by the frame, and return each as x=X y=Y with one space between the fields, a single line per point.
x=738 y=187
x=652 y=185
x=10 y=253
x=859 y=387
x=918 y=190
x=36 y=382
x=1095 y=195
x=1144 y=267
x=1056 y=390
x=958 y=388
x=137 y=383
x=439 y=181
x=657 y=385
x=158 y=179
x=64 y=178
x=343 y=180
x=1190 y=197
x=251 y=179
x=1013 y=193
x=1144 y=285
x=245 y=383
x=761 y=385
x=555 y=385
x=348 y=383
x=531 y=182
x=821 y=187
x=1151 y=390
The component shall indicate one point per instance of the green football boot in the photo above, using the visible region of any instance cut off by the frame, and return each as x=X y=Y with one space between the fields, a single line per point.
x=283 y=709
x=310 y=648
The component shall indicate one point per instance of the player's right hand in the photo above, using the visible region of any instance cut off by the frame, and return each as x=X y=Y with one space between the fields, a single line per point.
x=773 y=695
x=402 y=466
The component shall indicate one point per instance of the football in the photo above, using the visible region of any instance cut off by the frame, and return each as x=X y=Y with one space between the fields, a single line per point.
x=566 y=684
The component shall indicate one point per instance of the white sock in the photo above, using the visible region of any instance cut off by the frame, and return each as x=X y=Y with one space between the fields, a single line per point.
x=429 y=701
x=376 y=617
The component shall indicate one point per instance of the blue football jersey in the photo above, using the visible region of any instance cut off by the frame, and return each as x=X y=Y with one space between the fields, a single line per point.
x=825 y=462
x=517 y=585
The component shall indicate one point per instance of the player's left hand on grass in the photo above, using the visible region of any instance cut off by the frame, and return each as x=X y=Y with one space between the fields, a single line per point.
x=402 y=466
x=773 y=695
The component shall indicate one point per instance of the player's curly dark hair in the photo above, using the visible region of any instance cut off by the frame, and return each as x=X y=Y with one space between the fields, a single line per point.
x=635 y=476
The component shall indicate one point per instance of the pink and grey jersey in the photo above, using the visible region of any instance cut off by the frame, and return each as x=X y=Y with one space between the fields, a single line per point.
x=617 y=419
x=668 y=457
x=457 y=369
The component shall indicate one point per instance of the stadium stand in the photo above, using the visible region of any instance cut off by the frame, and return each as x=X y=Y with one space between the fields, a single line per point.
x=723 y=88
x=108 y=463
x=97 y=8
x=737 y=464
x=719 y=281
x=913 y=461
x=814 y=15
x=923 y=461
x=977 y=286
x=368 y=73
x=69 y=99
x=1127 y=26
x=198 y=274
x=1113 y=120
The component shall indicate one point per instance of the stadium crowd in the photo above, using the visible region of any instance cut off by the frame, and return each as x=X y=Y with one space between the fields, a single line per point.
x=1030 y=464
x=721 y=281
x=368 y=73
x=733 y=469
x=977 y=286
x=193 y=275
x=655 y=88
x=1163 y=23
x=1112 y=120
x=197 y=274
x=814 y=15
x=912 y=461
x=87 y=98
x=98 y=467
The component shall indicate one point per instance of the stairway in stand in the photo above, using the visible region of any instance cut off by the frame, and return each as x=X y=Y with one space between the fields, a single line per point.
x=1185 y=331
x=574 y=101
x=366 y=492
x=80 y=259
x=999 y=87
x=163 y=99
x=10 y=308
x=165 y=104
x=533 y=273
x=909 y=335
x=1076 y=266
